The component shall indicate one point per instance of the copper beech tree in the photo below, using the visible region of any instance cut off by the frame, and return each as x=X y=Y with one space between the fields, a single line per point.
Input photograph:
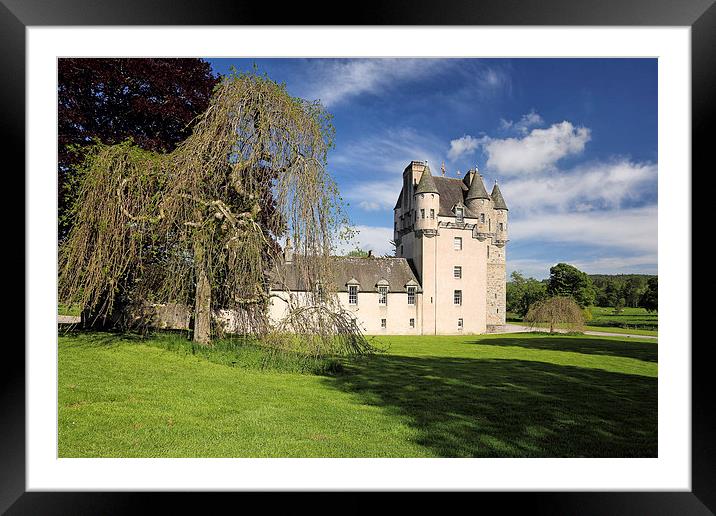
x=199 y=225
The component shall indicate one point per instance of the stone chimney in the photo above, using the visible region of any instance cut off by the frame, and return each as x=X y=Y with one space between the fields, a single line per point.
x=288 y=251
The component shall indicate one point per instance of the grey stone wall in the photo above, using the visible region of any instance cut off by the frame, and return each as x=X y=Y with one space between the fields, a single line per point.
x=496 y=288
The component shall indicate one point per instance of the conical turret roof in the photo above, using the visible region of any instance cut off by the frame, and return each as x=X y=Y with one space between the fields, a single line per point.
x=477 y=189
x=426 y=183
x=497 y=200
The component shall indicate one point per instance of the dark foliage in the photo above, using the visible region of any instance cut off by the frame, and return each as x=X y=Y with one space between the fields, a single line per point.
x=152 y=101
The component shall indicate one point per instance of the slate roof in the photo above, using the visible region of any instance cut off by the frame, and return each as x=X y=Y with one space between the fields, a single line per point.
x=497 y=198
x=451 y=192
x=367 y=271
x=477 y=189
x=426 y=183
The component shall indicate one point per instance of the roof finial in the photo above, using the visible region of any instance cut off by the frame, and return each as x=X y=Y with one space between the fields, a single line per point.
x=442 y=168
x=458 y=173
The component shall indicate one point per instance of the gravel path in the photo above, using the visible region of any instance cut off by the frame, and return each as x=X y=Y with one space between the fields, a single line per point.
x=516 y=328
x=68 y=319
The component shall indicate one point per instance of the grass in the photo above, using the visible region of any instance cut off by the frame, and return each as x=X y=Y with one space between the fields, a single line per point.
x=519 y=395
x=630 y=318
x=634 y=321
x=64 y=309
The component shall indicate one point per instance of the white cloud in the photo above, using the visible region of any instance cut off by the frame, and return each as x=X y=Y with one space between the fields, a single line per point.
x=462 y=146
x=584 y=188
x=388 y=151
x=374 y=195
x=335 y=80
x=528 y=120
x=609 y=264
x=632 y=230
x=539 y=150
x=374 y=238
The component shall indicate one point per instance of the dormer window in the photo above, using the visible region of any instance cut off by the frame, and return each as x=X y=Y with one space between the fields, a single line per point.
x=459 y=214
x=382 y=292
x=382 y=295
x=411 y=295
x=352 y=294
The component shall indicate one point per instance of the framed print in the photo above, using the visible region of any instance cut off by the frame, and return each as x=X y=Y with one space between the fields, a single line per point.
x=485 y=322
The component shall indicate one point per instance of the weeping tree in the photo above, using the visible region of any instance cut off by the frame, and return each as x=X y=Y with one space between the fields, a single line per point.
x=199 y=226
x=555 y=311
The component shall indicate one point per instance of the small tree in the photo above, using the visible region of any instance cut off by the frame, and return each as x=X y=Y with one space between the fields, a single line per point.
x=556 y=310
x=619 y=307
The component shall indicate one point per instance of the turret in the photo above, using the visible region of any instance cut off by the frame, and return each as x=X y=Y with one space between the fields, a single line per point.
x=500 y=209
x=478 y=202
x=427 y=202
x=397 y=222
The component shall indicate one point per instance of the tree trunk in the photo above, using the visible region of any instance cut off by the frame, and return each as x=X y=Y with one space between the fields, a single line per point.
x=202 y=301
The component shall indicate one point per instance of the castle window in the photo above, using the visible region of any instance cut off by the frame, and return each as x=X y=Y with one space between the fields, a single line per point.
x=502 y=226
x=422 y=214
x=432 y=214
x=457 y=243
x=412 y=322
x=411 y=295
x=482 y=218
x=457 y=297
x=383 y=323
x=459 y=323
x=382 y=295
x=459 y=214
x=488 y=250
x=457 y=271
x=352 y=294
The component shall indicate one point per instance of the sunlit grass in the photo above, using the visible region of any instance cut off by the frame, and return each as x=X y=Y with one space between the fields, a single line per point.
x=522 y=395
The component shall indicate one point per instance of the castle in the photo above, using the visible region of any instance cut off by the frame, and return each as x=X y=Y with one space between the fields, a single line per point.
x=448 y=275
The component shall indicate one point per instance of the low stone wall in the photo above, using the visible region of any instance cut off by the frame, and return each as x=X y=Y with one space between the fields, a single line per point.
x=171 y=316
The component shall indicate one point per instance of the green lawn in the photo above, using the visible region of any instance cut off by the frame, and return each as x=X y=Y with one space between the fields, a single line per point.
x=630 y=318
x=520 y=395
x=635 y=321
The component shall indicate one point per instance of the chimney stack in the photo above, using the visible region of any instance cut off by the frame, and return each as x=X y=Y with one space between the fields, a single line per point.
x=288 y=251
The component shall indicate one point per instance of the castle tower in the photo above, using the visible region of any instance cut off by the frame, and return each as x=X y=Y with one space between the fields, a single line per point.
x=425 y=256
x=496 y=259
x=479 y=204
x=427 y=203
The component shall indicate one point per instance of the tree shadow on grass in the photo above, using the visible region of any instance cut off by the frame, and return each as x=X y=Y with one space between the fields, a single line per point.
x=94 y=339
x=646 y=351
x=464 y=407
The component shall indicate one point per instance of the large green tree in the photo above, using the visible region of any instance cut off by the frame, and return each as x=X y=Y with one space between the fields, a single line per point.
x=650 y=297
x=567 y=280
x=153 y=101
x=523 y=292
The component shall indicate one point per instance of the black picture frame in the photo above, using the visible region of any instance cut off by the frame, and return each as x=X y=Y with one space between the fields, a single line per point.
x=700 y=15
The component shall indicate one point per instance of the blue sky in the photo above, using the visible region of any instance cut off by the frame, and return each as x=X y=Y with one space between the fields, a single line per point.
x=572 y=143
